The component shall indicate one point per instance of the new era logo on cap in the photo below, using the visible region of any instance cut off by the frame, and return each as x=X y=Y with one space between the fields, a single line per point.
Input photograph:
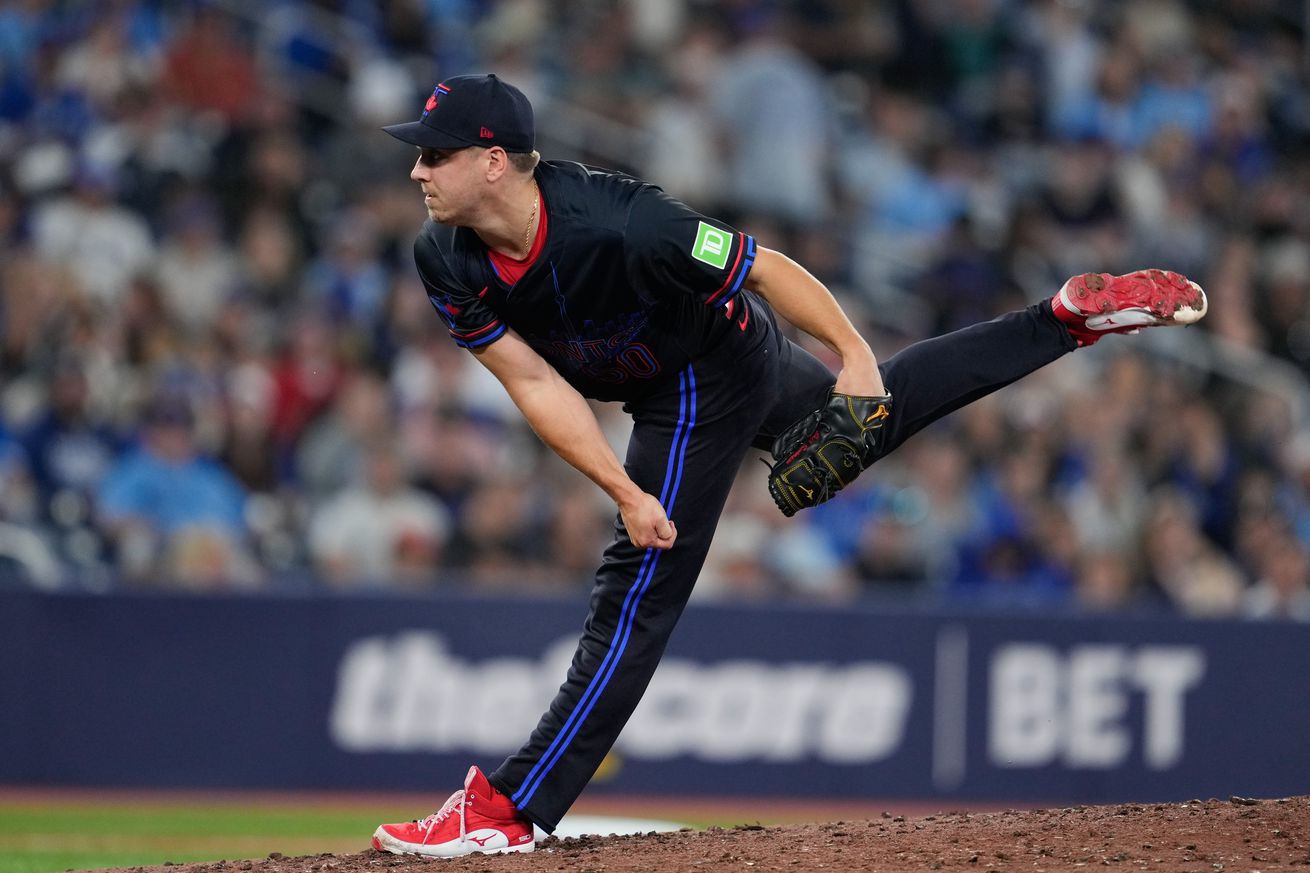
x=471 y=111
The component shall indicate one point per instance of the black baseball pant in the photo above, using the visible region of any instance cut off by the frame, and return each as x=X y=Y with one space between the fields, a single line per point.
x=688 y=442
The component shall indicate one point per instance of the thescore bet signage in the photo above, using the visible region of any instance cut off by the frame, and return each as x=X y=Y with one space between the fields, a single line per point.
x=1045 y=705
x=862 y=701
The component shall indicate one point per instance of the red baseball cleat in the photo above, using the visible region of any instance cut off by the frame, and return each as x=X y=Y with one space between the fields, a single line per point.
x=477 y=819
x=1094 y=304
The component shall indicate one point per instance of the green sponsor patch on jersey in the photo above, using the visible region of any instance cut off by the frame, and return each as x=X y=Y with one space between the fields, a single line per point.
x=712 y=245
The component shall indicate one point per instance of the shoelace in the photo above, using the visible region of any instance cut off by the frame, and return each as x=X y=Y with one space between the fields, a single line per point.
x=454 y=802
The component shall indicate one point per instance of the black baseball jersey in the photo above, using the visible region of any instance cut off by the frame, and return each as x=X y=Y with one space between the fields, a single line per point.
x=629 y=287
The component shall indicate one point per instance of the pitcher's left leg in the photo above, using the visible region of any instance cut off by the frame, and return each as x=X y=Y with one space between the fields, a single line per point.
x=934 y=377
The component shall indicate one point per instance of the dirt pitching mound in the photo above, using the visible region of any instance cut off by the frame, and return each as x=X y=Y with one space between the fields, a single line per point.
x=1238 y=834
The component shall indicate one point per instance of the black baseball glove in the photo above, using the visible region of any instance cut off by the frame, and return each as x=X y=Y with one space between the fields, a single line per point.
x=823 y=452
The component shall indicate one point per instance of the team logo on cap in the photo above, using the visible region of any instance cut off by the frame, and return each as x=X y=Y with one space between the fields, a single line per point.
x=437 y=93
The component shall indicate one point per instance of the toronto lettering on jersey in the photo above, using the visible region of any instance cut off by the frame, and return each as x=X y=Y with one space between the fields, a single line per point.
x=1081 y=707
x=608 y=353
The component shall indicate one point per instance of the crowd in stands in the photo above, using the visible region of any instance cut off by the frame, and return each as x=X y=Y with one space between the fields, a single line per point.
x=218 y=368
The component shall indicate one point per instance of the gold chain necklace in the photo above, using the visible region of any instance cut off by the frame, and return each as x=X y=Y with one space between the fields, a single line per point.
x=532 y=217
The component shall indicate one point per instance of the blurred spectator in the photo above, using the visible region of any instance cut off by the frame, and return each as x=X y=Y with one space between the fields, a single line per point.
x=499 y=542
x=964 y=284
x=804 y=562
x=19 y=497
x=380 y=530
x=1081 y=215
x=333 y=448
x=1067 y=52
x=104 y=64
x=1156 y=190
x=1282 y=589
x=209 y=66
x=167 y=509
x=269 y=258
x=23 y=28
x=247 y=448
x=580 y=529
x=307 y=376
x=777 y=122
x=195 y=271
x=896 y=172
x=1282 y=272
x=735 y=568
x=1173 y=96
x=146 y=328
x=680 y=155
x=1105 y=582
x=262 y=166
x=452 y=454
x=26 y=558
x=1013 y=556
x=1108 y=505
x=347 y=281
x=1205 y=469
x=888 y=556
x=1105 y=111
x=1194 y=576
x=70 y=448
x=104 y=245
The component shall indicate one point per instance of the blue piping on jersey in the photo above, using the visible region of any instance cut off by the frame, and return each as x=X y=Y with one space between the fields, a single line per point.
x=627 y=616
x=747 y=262
x=563 y=306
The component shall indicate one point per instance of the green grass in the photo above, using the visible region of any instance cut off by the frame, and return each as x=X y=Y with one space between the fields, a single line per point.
x=51 y=836
x=41 y=838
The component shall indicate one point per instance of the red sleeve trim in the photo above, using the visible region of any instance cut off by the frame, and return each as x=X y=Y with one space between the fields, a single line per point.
x=474 y=334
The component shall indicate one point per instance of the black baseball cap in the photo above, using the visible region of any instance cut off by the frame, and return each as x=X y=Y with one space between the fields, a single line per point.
x=471 y=111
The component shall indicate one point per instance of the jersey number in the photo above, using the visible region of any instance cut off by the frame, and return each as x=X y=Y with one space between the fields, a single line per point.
x=633 y=362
